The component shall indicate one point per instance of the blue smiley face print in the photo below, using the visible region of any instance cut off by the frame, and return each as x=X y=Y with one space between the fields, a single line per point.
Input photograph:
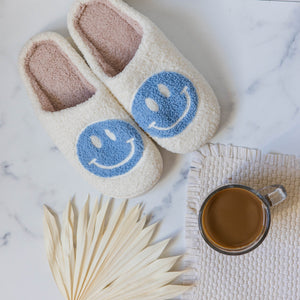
x=165 y=104
x=109 y=148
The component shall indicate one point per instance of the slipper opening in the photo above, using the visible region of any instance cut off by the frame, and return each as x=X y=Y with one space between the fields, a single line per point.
x=113 y=38
x=55 y=79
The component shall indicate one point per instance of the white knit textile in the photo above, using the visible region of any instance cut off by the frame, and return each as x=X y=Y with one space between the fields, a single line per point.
x=272 y=271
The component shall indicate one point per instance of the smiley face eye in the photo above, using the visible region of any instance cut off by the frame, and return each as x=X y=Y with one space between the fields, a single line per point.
x=163 y=89
x=96 y=141
x=110 y=135
x=152 y=105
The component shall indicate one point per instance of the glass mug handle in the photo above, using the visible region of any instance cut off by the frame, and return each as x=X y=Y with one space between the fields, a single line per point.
x=275 y=193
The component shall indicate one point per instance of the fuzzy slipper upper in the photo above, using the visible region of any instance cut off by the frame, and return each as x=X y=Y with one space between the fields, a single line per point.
x=164 y=93
x=85 y=121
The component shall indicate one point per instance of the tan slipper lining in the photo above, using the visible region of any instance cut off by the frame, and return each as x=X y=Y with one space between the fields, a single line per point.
x=55 y=79
x=112 y=37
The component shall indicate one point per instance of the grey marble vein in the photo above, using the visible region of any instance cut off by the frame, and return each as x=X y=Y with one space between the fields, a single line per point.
x=291 y=48
x=54 y=149
x=161 y=210
x=4 y=240
x=24 y=228
x=6 y=170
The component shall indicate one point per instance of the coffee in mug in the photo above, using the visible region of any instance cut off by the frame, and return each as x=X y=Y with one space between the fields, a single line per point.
x=235 y=219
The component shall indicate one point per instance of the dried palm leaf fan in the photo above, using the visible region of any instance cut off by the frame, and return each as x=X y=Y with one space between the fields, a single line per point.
x=107 y=255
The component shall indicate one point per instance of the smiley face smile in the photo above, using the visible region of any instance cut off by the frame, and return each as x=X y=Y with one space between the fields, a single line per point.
x=165 y=104
x=188 y=106
x=109 y=148
x=123 y=162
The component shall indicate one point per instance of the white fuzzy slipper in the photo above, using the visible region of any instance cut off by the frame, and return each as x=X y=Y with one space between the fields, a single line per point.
x=85 y=121
x=164 y=93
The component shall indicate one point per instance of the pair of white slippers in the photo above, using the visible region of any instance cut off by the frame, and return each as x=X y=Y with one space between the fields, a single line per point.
x=132 y=66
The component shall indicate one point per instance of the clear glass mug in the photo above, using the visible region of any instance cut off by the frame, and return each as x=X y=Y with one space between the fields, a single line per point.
x=268 y=196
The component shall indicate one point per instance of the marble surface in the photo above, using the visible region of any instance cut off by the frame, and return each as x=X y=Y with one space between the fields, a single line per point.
x=248 y=50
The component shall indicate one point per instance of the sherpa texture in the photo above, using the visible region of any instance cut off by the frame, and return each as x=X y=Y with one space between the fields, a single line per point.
x=272 y=270
x=65 y=125
x=155 y=54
